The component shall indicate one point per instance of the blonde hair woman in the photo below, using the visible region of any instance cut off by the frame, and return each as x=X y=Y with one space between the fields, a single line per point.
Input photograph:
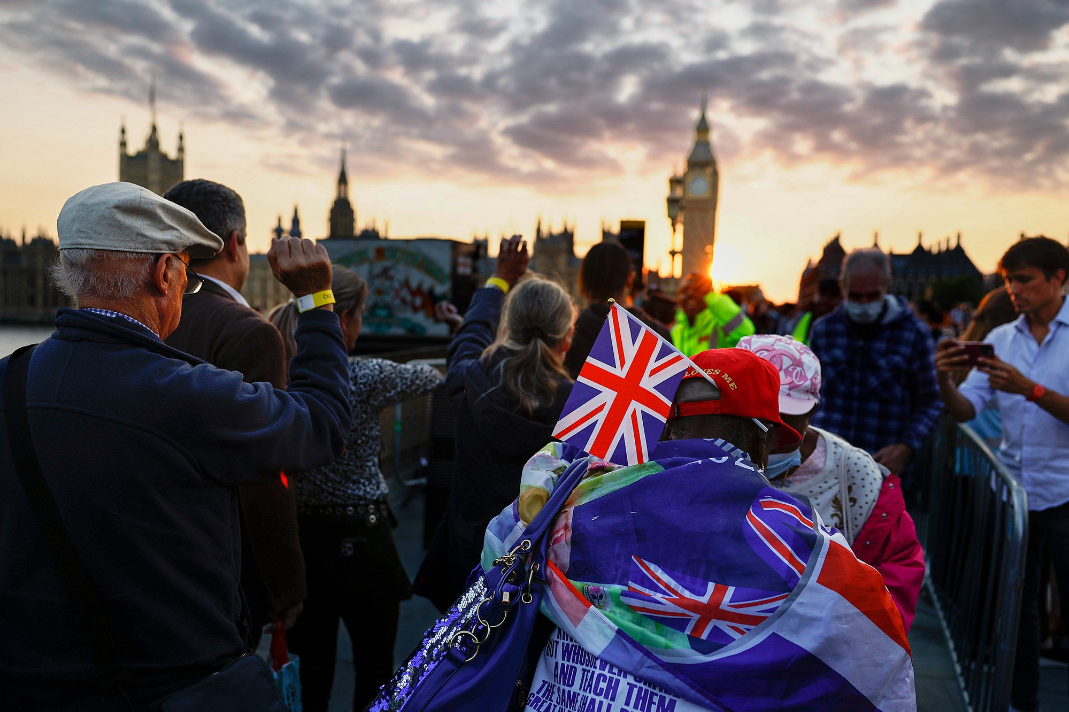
x=508 y=384
x=354 y=572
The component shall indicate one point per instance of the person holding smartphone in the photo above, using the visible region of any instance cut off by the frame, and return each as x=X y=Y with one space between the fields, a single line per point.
x=1027 y=378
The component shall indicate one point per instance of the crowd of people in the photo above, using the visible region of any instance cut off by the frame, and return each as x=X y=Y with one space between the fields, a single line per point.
x=215 y=471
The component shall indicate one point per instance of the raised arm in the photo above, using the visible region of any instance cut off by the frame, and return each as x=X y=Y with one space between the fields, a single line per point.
x=379 y=382
x=257 y=429
x=480 y=323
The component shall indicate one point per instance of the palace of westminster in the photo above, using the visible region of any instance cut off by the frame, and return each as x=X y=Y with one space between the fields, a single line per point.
x=28 y=296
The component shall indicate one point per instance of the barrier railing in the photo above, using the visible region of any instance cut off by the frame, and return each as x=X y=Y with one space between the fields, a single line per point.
x=975 y=532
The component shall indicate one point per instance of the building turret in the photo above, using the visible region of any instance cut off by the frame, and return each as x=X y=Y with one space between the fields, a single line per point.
x=342 y=214
x=278 y=231
x=295 y=224
x=150 y=167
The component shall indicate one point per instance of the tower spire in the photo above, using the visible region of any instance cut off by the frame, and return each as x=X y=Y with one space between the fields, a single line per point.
x=153 y=136
x=342 y=220
x=702 y=129
x=295 y=224
x=343 y=179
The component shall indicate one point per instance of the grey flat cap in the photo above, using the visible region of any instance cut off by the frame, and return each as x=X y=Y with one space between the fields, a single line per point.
x=127 y=217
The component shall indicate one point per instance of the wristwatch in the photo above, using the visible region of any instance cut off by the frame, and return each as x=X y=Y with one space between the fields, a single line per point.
x=1037 y=393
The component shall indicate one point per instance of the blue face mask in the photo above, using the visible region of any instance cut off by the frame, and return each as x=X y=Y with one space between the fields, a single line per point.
x=780 y=462
x=863 y=313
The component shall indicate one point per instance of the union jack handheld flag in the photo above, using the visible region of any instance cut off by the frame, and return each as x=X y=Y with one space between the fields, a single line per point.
x=624 y=392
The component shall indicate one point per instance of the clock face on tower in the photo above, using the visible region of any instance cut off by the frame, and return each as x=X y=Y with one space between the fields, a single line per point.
x=698 y=186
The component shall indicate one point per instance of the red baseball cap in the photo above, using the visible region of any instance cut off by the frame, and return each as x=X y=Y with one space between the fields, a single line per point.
x=749 y=388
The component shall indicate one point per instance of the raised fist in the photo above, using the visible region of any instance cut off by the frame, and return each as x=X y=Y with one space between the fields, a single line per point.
x=300 y=264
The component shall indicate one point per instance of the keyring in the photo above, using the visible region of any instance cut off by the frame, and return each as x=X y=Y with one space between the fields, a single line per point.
x=526 y=596
x=459 y=635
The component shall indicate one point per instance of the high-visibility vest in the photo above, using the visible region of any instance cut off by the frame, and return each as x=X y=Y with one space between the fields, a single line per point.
x=801 y=330
x=720 y=325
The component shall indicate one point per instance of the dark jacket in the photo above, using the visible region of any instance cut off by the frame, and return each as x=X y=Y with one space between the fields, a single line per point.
x=234 y=337
x=588 y=326
x=494 y=440
x=142 y=446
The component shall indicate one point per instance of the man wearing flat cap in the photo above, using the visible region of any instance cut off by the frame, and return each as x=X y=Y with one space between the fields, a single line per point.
x=140 y=447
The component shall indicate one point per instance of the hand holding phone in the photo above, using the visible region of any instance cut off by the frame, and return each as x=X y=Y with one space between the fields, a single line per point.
x=974 y=351
x=951 y=356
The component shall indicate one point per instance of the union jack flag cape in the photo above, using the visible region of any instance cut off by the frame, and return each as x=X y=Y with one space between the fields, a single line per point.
x=622 y=398
x=692 y=574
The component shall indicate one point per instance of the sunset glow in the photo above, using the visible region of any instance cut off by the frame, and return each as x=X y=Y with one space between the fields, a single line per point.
x=467 y=120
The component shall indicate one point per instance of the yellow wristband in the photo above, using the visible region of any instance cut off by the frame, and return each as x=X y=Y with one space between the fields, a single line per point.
x=312 y=301
x=499 y=283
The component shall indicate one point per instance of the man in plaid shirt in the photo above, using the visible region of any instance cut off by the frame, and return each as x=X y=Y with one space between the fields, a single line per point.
x=880 y=390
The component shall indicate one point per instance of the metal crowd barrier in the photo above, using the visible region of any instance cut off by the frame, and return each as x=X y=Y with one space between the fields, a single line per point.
x=975 y=534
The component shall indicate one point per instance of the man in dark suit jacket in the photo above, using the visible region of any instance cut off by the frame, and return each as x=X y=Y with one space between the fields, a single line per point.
x=219 y=326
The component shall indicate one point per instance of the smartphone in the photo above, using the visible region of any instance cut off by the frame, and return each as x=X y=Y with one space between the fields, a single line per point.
x=976 y=350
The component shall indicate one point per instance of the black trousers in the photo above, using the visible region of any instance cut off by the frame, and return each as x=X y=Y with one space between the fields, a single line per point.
x=355 y=576
x=1048 y=532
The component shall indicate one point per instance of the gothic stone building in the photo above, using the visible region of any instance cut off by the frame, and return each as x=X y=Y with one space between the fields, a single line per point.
x=553 y=256
x=27 y=294
x=828 y=267
x=342 y=214
x=150 y=167
x=912 y=273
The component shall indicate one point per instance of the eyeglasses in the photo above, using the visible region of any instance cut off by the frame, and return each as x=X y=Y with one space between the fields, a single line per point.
x=193 y=280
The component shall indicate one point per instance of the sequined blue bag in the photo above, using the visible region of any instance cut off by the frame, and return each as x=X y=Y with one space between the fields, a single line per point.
x=480 y=654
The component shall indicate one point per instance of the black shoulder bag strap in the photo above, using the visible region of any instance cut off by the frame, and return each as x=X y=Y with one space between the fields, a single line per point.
x=82 y=593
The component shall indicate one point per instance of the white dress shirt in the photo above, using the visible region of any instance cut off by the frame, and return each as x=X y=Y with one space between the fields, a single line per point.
x=228 y=289
x=1035 y=444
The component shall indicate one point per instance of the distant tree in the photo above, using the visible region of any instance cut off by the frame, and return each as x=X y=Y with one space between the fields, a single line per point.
x=948 y=293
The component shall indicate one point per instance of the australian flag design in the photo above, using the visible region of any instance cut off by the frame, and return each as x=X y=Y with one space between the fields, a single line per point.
x=714 y=612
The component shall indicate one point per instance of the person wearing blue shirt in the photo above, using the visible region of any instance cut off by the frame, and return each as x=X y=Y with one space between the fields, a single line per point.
x=1027 y=380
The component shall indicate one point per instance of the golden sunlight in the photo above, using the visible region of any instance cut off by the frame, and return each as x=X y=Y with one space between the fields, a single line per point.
x=728 y=267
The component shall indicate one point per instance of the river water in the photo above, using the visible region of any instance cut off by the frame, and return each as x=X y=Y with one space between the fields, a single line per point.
x=13 y=336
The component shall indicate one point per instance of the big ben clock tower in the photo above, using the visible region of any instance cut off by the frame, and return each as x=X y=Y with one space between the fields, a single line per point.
x=701 y=186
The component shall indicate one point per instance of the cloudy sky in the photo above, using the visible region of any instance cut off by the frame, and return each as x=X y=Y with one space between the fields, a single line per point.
x=467 y=116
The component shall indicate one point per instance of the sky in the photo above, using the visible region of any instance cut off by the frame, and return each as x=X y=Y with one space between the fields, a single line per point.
x=480 y=116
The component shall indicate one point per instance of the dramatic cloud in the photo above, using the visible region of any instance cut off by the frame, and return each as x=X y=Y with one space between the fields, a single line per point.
x=546 y=93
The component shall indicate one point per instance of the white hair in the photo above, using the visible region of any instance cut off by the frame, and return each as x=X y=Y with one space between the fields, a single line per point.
x=105 y=274
x=865 y=259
